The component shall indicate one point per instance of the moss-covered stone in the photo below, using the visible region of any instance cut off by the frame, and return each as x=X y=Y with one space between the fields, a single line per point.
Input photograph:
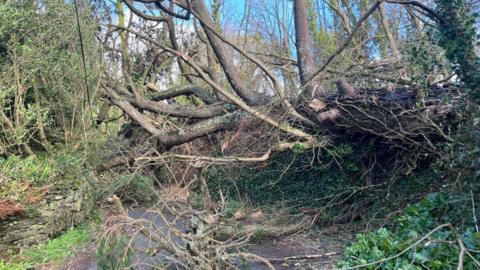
x=52 y=216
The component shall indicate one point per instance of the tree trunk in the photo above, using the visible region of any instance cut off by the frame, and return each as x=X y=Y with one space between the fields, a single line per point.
x=303 y=41
x=40 y=125
x=391 y=40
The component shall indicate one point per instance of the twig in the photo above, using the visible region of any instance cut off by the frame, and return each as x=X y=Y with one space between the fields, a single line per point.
x=258 y=258
x=305 y=257
x=461 y=255
x=473 y=210
x=264 y=157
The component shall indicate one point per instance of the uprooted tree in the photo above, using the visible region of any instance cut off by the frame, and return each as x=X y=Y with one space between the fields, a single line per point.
x=258 y=87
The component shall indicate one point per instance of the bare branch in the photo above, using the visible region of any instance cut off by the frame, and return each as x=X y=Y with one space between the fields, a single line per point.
x=344 y=44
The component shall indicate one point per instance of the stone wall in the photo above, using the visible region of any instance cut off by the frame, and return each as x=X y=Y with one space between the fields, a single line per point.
x=47 y=219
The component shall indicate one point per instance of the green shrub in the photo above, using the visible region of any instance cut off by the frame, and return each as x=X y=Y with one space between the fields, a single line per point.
x=439 y=251
x=232 y=207
x=43 y=57
x=458 y=36
x=34 y=169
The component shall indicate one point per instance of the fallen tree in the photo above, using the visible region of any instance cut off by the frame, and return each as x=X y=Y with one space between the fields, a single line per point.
x=404 y=119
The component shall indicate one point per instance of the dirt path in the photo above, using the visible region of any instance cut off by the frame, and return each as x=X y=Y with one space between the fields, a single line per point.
x=298 y=252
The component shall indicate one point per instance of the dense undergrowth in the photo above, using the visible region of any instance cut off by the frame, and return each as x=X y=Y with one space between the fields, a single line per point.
x=338 y=188
x=63 y=167
x=59 y=168
x=441 y=231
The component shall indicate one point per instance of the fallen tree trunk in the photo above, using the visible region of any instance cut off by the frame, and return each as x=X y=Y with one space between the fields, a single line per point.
x=403 y=116
x=402 y=119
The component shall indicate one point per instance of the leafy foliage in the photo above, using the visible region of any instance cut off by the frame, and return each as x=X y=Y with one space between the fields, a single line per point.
x=460 y=165
x=439 y=251
x=426 y=60
x=458 y=36
x=290 y=178
x=41 y=77
x=463 y=156
x=58 y=169
x=135 y=187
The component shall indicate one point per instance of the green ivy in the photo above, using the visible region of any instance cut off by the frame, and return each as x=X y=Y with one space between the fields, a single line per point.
x=458 y=37
x=296 y=178
x=439 y=251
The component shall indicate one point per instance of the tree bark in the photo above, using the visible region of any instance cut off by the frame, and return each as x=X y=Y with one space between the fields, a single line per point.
x=391 y=40
x=40 y=125
x=303 y=41
x=189 y=89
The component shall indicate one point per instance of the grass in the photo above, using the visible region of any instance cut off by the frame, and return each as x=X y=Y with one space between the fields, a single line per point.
x=55 y=251
x=59 y=248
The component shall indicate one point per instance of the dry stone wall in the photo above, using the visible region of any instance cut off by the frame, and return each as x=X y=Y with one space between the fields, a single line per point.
x=56 y=213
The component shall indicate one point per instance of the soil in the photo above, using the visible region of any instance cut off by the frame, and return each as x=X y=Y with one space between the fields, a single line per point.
x=298 y=252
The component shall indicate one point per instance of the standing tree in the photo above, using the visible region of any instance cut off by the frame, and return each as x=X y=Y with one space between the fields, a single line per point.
x=42 y=89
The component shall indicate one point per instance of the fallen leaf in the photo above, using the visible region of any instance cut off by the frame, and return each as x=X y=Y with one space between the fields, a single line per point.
x=257 y=215
x=238 y=215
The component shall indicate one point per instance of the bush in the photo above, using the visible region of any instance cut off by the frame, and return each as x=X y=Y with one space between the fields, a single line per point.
x=438 y=251
x=114 y=252
x=42 y=57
